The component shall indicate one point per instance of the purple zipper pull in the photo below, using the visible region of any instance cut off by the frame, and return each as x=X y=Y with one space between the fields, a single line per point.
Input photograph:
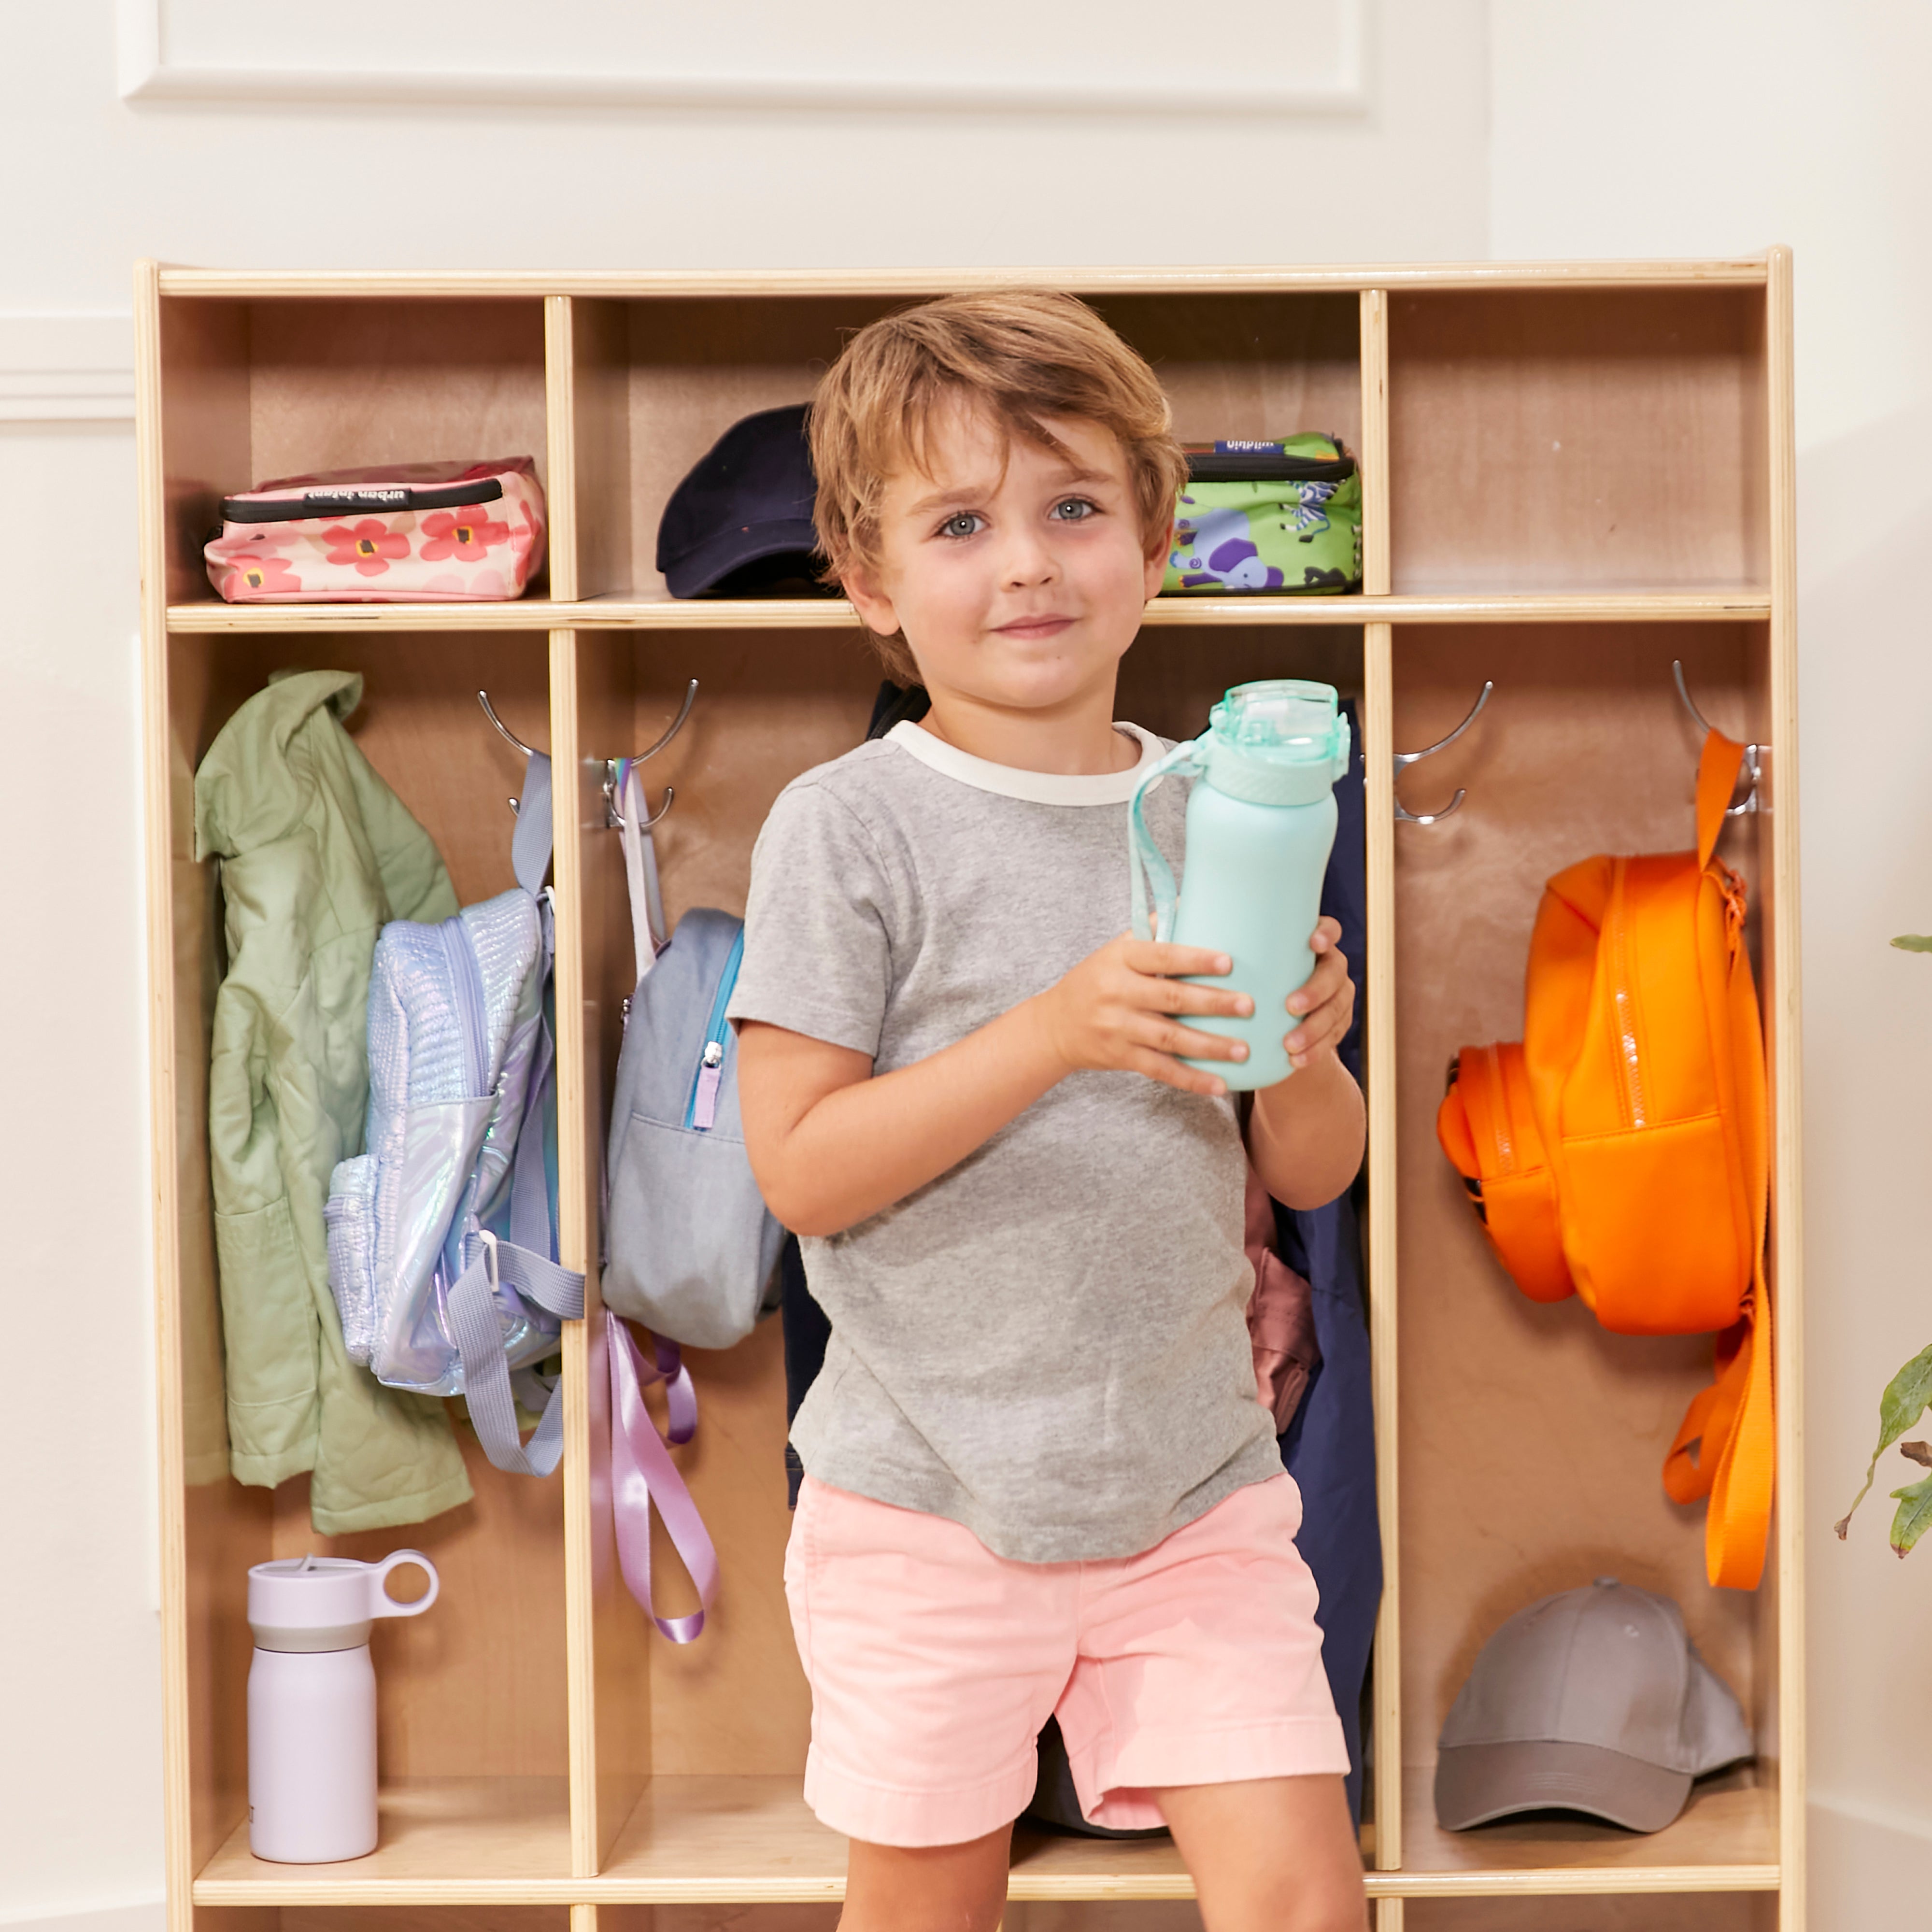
x=704 y=1108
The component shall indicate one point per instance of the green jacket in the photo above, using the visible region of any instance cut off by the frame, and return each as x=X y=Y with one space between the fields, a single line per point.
x=316 y=853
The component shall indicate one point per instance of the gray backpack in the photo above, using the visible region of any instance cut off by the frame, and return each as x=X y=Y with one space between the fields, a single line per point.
x=693 y=1249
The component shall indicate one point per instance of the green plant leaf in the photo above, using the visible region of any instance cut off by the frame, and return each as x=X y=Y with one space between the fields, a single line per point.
x=1914 y=942
x=1914 y=1517
x=1900 y=1406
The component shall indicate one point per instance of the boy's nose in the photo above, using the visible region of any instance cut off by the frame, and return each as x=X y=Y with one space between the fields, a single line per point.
x=1027 y=560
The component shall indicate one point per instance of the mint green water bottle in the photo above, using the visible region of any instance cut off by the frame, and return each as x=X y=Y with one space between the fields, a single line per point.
x=1261 y=823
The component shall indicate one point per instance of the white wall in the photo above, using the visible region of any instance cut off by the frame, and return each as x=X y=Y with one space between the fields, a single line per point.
x=1656 y=128
x=1513 y=127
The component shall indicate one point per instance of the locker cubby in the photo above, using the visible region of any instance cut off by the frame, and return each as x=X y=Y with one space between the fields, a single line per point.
x=264 y=388
x=543 y=1747
x=674 y=1723
x=1554 y=1479
x=472 y=1705
x=1578 y=439
x=656 y=382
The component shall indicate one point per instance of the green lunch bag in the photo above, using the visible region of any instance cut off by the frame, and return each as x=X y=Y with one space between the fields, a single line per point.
x=1259 y=516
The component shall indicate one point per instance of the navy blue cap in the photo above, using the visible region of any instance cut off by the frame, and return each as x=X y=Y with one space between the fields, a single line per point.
x=742 y=520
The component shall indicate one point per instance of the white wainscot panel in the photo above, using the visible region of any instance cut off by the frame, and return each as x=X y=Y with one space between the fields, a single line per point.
x=1123 y=56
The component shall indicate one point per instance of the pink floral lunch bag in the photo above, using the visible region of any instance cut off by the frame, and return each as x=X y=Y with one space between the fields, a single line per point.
x=400 y=532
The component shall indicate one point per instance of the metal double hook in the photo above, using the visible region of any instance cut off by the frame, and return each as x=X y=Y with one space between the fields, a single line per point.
x=504 y=732
x=613 y=816
x=1403 y=760
x=1750 y=772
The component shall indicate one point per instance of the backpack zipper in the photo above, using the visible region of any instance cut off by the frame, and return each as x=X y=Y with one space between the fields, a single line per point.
x=702 y=1108
x=1624 y=1000
x=345 y=499
x=1499 y=1113
x=1265 y=463
x=468 y=981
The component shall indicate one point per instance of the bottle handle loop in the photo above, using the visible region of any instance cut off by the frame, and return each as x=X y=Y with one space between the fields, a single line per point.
x=1146 y=864
x=381 y=1604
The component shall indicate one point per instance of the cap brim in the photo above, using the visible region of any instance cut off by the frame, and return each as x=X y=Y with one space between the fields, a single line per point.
x=1477 y=1783
x=697 y=570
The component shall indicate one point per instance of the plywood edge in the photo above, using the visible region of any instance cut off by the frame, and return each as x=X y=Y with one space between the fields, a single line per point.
x=1373 y=459
x=177 y=1854
x=1600 y=1881
x=1744 y=270
x=1605 y=1882
x=575 y=1240
x=424 y=1891
x=615 y=612
x=560 y=415
x=214 y=618
x=1788 y=1136
x=1378 y=786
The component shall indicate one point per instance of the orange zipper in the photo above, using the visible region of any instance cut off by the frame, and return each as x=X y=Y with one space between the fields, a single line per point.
x=1623 y=999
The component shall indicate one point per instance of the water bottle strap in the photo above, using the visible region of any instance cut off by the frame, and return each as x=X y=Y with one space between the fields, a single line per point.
x=1146 y=864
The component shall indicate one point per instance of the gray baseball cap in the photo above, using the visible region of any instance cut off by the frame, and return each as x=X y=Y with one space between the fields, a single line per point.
x=1593 y=1700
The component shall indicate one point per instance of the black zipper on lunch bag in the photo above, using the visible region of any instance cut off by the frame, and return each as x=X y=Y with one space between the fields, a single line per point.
x=1260 y=461
x=338 y=501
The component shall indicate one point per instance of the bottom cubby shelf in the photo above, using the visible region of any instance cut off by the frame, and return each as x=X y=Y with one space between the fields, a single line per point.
x=445 y=1841
x=1725 y=1840
x=751 y=1841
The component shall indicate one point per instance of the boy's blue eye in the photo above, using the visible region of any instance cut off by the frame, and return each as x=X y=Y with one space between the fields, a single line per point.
x=965 y=524
x=1074 y=509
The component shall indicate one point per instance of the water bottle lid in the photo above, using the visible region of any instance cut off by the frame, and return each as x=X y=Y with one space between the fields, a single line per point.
x=1279 y=741
x=327 y=1603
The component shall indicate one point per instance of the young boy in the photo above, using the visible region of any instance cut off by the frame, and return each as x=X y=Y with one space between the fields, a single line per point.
x=1039 y=1479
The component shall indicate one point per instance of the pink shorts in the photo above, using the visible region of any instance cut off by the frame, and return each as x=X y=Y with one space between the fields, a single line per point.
x=934 y=1664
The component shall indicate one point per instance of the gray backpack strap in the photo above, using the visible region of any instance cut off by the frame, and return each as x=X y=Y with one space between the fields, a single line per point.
x=525 y=1262
x=486 y=1374
x=530 y=844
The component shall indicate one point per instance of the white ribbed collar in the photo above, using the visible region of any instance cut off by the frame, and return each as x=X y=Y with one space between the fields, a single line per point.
x=1035 y=788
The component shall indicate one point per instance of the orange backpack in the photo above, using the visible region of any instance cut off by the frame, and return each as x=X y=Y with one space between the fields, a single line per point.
x=1620 y=1153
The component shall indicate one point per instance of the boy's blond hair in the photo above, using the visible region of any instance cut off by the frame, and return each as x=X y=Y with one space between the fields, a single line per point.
x=1023 y=356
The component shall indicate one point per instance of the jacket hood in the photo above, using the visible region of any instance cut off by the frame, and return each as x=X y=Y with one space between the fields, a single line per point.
x=252 y=787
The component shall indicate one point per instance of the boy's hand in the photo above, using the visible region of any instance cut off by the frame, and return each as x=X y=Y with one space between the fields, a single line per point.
x=1116 y=1008
x=1325 y=1004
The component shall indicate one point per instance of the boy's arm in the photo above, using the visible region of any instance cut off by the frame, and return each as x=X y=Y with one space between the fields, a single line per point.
x=831 y=1143
x=1305 y=1135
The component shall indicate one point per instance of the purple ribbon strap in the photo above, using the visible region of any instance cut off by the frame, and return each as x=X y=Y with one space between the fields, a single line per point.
x=642 y=1473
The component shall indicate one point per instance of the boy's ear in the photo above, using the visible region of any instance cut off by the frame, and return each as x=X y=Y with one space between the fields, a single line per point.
x=1156 y=563
x=874 y=608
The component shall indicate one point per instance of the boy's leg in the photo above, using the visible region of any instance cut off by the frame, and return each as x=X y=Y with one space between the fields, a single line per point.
x=1271 y=1854
x=931 y=1889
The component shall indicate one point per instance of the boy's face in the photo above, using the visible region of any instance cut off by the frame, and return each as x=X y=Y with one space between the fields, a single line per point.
x=1017 y=575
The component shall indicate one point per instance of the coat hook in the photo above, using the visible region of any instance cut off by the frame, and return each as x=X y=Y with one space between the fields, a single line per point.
x=676 y=726
x=503 y=731
x=613 y=818
x=614 y=768
x=1752 y=772
x=1403 y=760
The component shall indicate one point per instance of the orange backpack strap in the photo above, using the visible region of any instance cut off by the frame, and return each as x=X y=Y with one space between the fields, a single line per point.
x=1732 y=1424
x=1488 y=1129
x=1717 y=780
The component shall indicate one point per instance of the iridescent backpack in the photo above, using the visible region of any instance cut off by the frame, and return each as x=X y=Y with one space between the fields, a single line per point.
x=443 y=1253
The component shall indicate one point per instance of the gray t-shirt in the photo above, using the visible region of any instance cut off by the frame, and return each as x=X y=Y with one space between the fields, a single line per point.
x=1048 y=1343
